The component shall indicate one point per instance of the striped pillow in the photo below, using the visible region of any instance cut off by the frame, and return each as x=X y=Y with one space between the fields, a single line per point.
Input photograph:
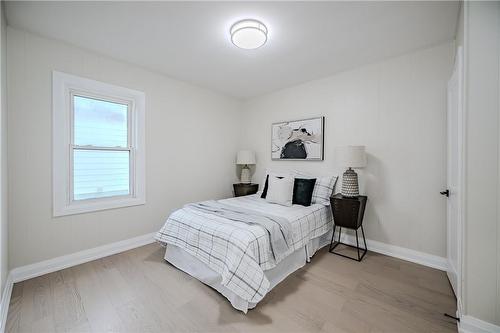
x=323 y=189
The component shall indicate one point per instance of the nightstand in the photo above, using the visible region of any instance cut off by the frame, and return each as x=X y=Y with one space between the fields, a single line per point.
x=245 y=189
x=348 y=213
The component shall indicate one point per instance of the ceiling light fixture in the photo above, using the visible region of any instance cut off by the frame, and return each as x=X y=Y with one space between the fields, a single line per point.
x=248 y=34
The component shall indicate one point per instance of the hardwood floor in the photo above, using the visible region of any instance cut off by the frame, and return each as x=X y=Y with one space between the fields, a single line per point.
x=137 y=291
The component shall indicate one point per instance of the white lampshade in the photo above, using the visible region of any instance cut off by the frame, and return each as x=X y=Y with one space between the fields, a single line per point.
x=351 y=156
x=245 y=157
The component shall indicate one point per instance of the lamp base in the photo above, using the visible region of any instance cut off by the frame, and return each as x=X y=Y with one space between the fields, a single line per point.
x=245 y=175
x=350 y=187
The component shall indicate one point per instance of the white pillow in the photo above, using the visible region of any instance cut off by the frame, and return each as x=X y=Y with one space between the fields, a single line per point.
x=274 y=173
x=323 y=189
x=280 y=190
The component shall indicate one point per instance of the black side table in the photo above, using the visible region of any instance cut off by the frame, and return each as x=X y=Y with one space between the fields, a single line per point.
x=348 y=213
x=245 y=189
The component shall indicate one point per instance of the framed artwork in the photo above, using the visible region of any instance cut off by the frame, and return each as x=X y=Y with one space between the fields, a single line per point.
x=298 y=140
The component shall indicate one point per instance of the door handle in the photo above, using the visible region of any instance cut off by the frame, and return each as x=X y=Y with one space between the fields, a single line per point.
x=446 y=193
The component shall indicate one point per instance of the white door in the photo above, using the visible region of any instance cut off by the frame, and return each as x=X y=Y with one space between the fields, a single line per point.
x=455 y=169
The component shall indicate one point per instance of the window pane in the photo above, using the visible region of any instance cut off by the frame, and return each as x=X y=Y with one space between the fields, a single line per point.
x=100 y=123
x=98 y=174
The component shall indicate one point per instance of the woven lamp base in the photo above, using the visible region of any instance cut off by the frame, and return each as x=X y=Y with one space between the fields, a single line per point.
x=350 y=187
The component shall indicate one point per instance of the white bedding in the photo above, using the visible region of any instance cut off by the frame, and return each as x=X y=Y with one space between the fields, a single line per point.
x=240 y=252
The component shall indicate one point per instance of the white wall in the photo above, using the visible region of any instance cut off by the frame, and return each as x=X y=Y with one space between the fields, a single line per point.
x=482 y=220
x=190 y=138
x=3 y=151
x=397 y=108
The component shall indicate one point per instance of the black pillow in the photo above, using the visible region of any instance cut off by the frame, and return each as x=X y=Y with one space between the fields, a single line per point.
x=302 y=191
x=264 y=191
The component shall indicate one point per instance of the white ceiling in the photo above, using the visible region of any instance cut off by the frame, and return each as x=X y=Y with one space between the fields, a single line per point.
x=190 y=40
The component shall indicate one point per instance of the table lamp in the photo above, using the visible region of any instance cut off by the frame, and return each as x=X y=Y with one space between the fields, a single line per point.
x=351 y=157
x=245 y=157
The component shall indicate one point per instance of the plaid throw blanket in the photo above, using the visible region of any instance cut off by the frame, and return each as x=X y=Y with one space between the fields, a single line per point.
x=278 y=228
x=238 y=251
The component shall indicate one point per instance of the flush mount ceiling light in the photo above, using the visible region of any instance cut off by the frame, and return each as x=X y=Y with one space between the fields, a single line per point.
x=248 y=34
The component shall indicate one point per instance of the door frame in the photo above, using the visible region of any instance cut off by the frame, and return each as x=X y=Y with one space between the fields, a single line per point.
x=458 y=69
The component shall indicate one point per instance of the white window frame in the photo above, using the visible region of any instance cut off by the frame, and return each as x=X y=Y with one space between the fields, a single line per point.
x=64 y=88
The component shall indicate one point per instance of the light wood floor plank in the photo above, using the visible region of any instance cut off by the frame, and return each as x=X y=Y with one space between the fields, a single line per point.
x=137 y=291
x=101 y=313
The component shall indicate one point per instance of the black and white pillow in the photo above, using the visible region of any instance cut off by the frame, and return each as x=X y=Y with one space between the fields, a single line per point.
x=280 y=190
x=323 y=189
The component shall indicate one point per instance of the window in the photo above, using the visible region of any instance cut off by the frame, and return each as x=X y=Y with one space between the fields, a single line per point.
x=103 y=126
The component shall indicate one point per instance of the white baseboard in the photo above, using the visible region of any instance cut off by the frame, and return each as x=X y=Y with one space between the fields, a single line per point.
x=4 y=305
x=417 y=257
x=52 y=265
x=469 y=324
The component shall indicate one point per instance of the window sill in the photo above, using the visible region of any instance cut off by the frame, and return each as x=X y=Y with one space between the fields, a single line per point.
x=94 y=206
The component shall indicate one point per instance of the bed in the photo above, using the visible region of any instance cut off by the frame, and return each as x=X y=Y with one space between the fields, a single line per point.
x=240 y=259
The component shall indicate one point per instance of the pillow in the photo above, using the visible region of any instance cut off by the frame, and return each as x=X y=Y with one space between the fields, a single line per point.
x=266 y=185
x=302 y=191
x=280 y=190
x=323 y=190
x=263 y=194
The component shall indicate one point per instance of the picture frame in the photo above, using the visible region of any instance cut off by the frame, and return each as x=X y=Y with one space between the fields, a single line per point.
x=298 y=140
